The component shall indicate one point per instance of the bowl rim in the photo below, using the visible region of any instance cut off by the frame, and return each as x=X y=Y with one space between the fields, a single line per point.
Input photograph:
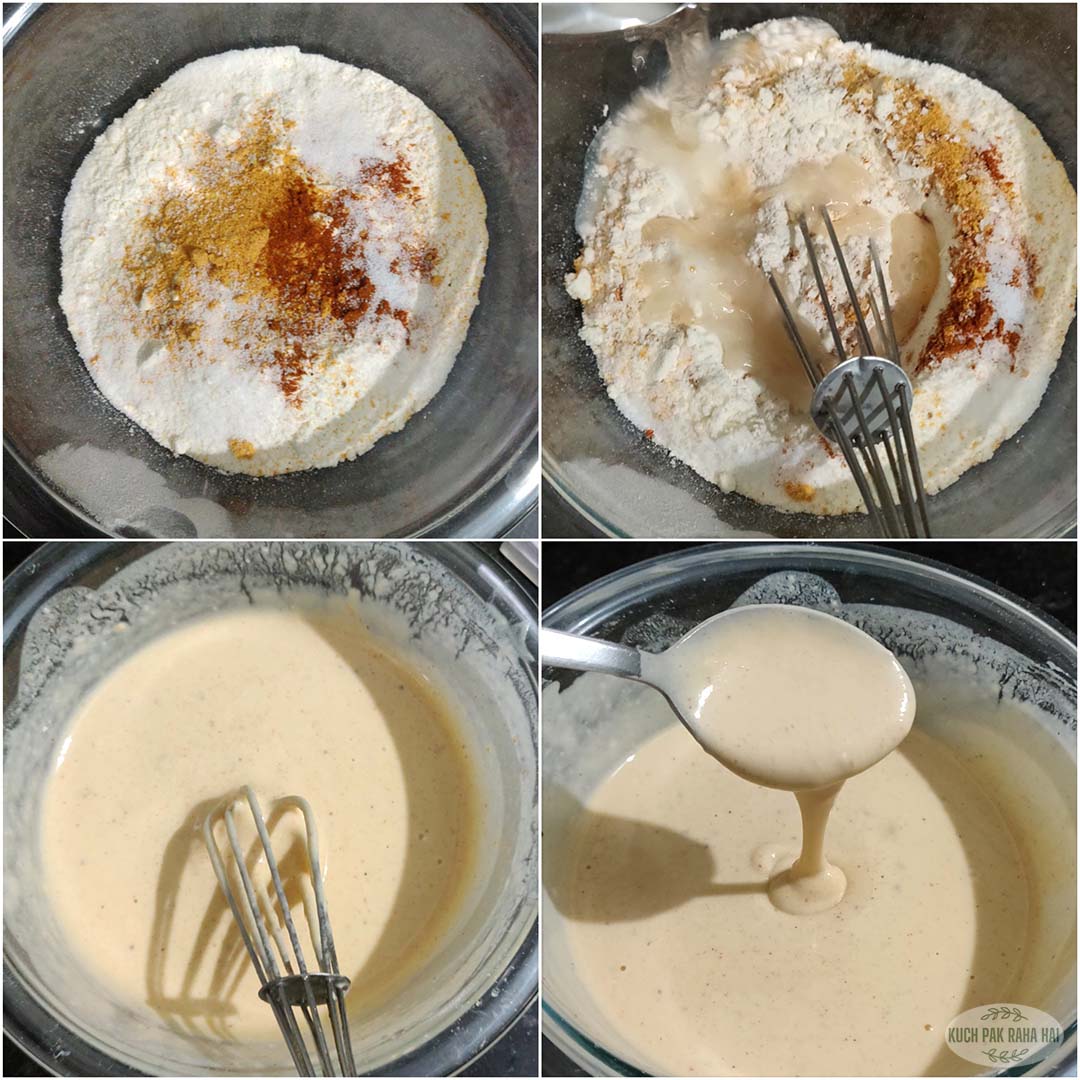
x=508 y=495
x=483 y=1023
x=632 y=32
x=723 y=551
x=1061 y=526
x=570 y=613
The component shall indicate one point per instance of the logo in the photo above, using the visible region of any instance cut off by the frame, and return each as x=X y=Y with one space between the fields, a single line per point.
x=1003 y=1036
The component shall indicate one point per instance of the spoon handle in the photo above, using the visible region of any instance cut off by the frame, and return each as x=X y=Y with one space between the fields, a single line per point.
x=589 y=654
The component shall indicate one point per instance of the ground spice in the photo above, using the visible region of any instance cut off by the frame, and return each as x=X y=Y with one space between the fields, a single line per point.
x=991 y=159
x=285 y=249
x=422 y=262
x=1031 y=269
x=923 y=130
x=241 y=448
x=385 y=310
x=391 y=176
x=799 y=491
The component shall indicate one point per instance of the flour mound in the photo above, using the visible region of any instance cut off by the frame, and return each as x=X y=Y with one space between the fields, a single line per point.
x=271 y=262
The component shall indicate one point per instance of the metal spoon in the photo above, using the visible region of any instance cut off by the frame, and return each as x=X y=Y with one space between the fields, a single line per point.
x=590 y=654
x=580 y=653
x=760 y=723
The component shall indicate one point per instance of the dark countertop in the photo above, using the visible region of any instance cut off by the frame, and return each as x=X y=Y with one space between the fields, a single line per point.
x=516 y=1054
x=1041 y=572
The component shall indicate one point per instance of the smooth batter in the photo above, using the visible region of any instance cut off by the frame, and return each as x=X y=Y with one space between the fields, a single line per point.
x=676 y=940
x=293 y=703
x=788 y=697
x=713 y=943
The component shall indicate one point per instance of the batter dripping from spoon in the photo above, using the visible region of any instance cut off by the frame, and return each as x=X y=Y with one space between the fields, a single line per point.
x=841 y=703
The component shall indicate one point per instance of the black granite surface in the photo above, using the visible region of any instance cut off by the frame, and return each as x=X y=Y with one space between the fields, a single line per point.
x=516 y=1054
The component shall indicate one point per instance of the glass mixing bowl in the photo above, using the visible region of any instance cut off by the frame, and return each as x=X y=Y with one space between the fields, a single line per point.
x=623 y=484
x=463 y=466
x=651 y=604
x=453 y=607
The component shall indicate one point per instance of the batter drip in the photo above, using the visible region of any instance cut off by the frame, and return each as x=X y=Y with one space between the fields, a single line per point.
x=841 y=703
x=674 y=936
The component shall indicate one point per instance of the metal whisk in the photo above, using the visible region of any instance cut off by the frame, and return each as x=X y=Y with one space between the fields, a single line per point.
x=865 y=401
x=298 y=987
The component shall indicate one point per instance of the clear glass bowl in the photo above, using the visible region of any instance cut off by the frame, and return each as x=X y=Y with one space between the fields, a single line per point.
x=651 y=604
x=461 y=610
x=463 y=466
x=626 y=486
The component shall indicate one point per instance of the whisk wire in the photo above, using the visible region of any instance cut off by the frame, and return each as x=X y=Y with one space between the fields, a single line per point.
x=892 y=347
x=838 y=341
x=872 y=461
x=326 y=953
x=899 y=475
x=298 y=987
x=273 y=987
x=864 y=400
x=311 y=1012
x=853 y=296
x=285 y=1020
x=900 y=472
x=916 y=471
x=810 y=366
x=849 y=453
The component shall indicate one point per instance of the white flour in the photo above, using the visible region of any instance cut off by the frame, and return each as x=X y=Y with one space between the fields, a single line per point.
x=219 y=397
x=686 y=208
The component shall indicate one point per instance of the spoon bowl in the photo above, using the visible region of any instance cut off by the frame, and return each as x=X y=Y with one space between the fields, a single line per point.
x=784 y=696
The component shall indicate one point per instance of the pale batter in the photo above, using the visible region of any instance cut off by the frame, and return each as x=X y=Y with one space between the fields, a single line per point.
x=714 y=937
x=787 y=697
x=675 y=938
x=292 y=702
